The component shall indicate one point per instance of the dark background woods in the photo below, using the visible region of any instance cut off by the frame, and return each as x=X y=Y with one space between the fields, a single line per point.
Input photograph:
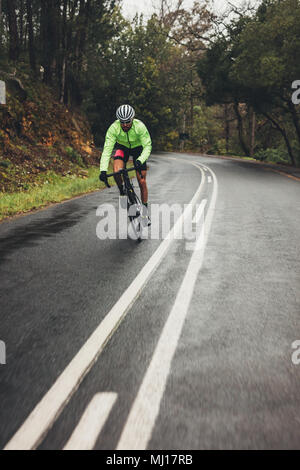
x=224 y=82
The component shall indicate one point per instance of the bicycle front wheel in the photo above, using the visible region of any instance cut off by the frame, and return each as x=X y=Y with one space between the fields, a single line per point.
x=135 y=228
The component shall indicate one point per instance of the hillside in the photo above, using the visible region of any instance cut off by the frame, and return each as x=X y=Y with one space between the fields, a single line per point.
x=39 y=136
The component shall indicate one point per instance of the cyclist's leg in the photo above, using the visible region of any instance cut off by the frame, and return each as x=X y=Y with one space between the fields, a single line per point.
x=120 y=159
x=144 y=196
x=143 y=185
x=136 y=152
x=119 y=165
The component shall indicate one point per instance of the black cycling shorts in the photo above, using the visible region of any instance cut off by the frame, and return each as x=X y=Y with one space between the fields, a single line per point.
x=123 y=153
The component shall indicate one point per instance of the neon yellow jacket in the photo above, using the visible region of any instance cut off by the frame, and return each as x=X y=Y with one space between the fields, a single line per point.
x=137 y=136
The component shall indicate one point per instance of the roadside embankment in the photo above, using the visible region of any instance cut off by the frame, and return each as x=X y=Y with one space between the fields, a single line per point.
x=47 y=152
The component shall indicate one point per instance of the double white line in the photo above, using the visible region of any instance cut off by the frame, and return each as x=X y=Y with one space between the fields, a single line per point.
x=141 y=420
x=36 y=426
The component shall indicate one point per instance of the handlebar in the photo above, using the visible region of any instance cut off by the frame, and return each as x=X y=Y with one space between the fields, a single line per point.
x=123 y=170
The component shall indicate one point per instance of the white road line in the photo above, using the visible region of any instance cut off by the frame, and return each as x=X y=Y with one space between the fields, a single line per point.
x=209 y=179
x=200 y=224
x=199 y=213
x=33 y=430
x=141 y=420
x=85 y=434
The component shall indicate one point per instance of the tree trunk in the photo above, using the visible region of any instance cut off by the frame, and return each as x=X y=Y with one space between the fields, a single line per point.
x=31 y=36
x=13 y=31
x=183 y=131
x=63 y=81
x=71 y=21
x=295 y=118
x=21 y=22
x=240 y=129
x=192 y=115
x=284 y=134
x=253 y=126
x=83 y=20
x=44 y=40
x=64 y=53
x=1 y=24
x=49 y=26
x=69 y=46
x=227 y=129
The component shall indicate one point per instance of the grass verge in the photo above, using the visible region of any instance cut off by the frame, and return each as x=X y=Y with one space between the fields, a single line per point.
x=55 y=188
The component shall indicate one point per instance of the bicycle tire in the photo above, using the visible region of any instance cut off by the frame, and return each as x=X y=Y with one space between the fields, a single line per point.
x=135 y=222
x=136 y=228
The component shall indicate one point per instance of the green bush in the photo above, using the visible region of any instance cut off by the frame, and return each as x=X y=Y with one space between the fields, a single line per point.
x=213 y=149
x=5 y=163
x=272 y=155
x=74 y=156
x=296 y=149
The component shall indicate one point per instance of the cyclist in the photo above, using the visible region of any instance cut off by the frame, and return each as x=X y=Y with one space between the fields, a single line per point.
x=130 y=137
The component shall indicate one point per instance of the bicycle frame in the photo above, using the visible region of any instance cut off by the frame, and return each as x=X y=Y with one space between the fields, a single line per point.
x=132 y=201
x=129 y=189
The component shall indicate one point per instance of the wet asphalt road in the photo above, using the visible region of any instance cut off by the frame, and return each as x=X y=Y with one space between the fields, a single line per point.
x=232 y=382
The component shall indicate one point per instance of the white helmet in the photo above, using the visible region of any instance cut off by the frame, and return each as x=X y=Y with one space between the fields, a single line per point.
x=125 y=113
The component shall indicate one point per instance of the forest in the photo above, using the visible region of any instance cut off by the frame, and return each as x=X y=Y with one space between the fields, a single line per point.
x=201 y=81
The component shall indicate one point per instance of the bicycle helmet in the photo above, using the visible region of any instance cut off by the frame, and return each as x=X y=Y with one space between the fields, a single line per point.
x=125 y=113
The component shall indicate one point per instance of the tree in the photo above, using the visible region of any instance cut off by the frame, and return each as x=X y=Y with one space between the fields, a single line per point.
x=1 y=23
x=251 y=64
x=13 y=30
x=31 y=36
x=266 y=64
x=49 y=30
x=214 y=70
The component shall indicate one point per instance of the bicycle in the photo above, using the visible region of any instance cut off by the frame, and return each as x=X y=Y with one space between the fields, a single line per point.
x=135 y=209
